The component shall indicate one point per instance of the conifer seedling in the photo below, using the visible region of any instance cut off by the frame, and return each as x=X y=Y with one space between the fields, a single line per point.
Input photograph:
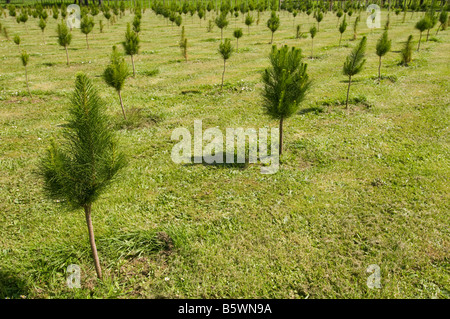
x=116 y=73
x=383 y=47
x=64 y=38
x=79 y=169
x=354 y=64
x=225 y=50
x=285 y=85
x=131 y=45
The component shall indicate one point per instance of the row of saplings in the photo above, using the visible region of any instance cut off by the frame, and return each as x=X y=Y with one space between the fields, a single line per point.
x=78 y=169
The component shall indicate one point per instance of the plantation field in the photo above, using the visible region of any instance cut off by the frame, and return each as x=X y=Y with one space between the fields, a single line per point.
x=355 y=188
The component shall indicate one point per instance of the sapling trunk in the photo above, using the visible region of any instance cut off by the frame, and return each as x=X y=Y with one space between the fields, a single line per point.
x=26 y=80
x=379 y=70
x=87 y=43
x=121 y=104
x=312 y=47
x=132 y=62
x=280 y=151
x=87 y=212
x=271 y=39
x=223 y=73
x=67 y=55
x=420 y=38
x=348 y=90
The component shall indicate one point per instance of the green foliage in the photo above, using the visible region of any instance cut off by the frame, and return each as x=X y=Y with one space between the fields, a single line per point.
x=79 y=169
x=24 y=57
x=355 y=27
x=285 y=82
x=313 y=31
x=226 y=49
x=131 y=43
x=16 y=39
x=383 y=45
x=64 y=35
x=86 y=24
x=443 y=19
x=355 y=60
x=136 y=24
x=221 y=22
x=274 y=22
x=116 y=72
x=238 y=33
x=42 y=24
x=406 y=52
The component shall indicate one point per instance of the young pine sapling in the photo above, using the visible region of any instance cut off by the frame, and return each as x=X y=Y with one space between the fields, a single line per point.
x=354 y=63
x=79 y=170
x=225 y=50
x=131 y=45
x=383 y=47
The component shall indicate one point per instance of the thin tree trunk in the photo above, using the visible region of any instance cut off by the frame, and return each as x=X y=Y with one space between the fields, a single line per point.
x=428 y=34
x=121 y=104
x=280 y=151
x=223 y=74
x=340 y=40
x=348 y=90
x=87 y=212
x=379 y=70
x=87 y=43
x=312 y=47
x=420 y=38
x=132 y=62
x=237 y=44
x=43 y=37
x=26 y=80
x=271 y=40
x=221 y=34
x=67 y=55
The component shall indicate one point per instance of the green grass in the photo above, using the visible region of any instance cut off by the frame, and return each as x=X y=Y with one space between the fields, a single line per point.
x=365 y=187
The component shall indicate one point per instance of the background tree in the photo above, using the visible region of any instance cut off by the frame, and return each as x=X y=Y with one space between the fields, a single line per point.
x=64 y=37
x=406 y=52
x=24 y=56
x=422 y=25
x=342 y=28
x=273 y=24
x=115 y=74
x=79 y=170
x=16 y=40
x=354 y=63
x=221 y=22
x=86 y=26
x=237 y=34
x=183 y=45
x=443 y=20
x=136 y=24
x=319 y=18
x=339 y=14
x=355 y=27
x=312 y=32
x=432 y=20
x=285 y=85
x=225 y=50
x=42 y=26
x=383 y=47
x=248 y=22
x=131 y=45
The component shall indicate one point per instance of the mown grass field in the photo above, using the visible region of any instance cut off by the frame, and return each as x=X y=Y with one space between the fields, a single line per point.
x=368 y=186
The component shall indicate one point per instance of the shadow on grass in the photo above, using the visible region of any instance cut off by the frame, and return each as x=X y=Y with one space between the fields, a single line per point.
x=314 y=109
x=11 y=285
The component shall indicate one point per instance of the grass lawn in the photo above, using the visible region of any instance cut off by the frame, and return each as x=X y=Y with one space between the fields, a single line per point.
x=368 y=186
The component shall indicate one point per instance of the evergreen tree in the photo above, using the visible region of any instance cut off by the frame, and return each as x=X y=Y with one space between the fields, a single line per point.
x=79 y=170
x=42 y=26
x=312 y=32
x=86 y=26
x=443 y=20
x=422 y=25
x=285 y=85
x=406 y=52
x=342 y=28
x=237 y=34
x=225 y=50
x=115 y=74
x=383 y=47
x=319 y=18
x=273 y=24
x=64 y=37
x=16 y=40
x=248 y=22
x=355 y=27
x=183 y=45
x=221 y=23
x=354 y=63
x=24 y=56
x=136 y=24
x=131 y=45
